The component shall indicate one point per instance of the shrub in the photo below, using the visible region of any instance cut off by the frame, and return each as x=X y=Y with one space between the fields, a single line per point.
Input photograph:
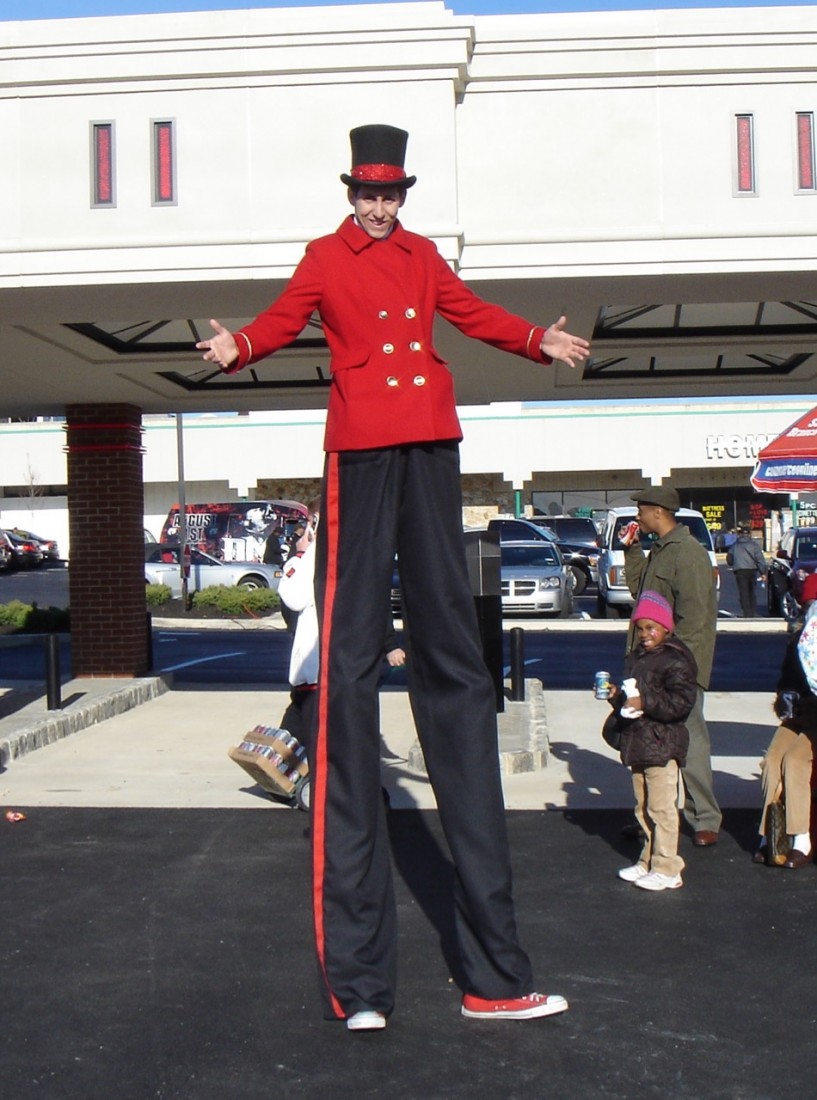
x=237 y=601
x=30 y=619
x=157 y=594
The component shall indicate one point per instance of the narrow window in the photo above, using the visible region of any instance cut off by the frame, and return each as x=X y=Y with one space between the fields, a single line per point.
x=805 y=151
x=164 y=163
x=102 y=164
x=745 y=155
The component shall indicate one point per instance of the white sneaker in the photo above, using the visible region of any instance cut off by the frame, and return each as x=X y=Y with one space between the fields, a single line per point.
x=366 y=1021
x=632 y=874
x=656 y=881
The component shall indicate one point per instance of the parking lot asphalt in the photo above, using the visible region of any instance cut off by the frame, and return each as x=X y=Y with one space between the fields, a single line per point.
x=157 y=936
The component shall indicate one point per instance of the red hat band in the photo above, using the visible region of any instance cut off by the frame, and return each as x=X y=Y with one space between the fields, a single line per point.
x=378 y=173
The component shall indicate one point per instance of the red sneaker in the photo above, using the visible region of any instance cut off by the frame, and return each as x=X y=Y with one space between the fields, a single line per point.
x=514 y=1008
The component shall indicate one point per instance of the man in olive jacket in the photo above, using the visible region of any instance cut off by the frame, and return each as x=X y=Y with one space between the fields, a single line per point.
x=680 y=569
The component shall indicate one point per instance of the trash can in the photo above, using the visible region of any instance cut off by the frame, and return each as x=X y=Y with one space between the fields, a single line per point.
x=483 y=557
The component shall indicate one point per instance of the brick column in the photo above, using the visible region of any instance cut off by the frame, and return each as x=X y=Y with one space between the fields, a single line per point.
x=106 y=521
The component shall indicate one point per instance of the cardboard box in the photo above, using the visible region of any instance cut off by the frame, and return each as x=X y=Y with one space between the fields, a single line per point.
x=254 y=755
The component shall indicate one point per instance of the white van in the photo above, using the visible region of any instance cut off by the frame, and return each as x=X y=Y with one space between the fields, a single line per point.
x=613 y=595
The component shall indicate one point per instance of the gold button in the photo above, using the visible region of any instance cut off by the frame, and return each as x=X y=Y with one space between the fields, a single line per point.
x=392 y=381
x=411 y=313
x=415 y=345
x=388 y=348
x=383 y=314
x=419 y=380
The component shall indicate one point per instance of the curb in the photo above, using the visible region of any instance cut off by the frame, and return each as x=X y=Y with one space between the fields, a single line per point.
x=56 y=725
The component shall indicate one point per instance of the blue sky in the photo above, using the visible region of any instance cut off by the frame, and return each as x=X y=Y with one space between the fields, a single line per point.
x=63 y=9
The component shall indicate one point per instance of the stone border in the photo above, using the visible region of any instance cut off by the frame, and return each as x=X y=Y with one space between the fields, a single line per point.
x=55 y=725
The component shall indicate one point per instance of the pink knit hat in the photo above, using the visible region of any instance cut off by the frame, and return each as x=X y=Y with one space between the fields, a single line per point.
x=651 y=605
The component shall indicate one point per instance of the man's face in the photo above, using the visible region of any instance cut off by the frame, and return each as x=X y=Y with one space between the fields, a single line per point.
x=376 y=208
x=648 y=516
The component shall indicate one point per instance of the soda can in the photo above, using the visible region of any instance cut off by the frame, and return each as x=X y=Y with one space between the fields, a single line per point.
x=602 y=685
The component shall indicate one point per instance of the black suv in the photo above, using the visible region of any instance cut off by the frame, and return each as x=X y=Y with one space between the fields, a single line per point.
x=581 y=557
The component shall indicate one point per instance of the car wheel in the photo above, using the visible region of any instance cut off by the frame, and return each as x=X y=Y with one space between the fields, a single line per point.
x=773 y=599
x=580 y=580
x=252 y=582
x=789 y=606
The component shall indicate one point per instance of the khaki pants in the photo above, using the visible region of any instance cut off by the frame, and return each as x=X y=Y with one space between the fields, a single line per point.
x=656 y=810
x=786 y=770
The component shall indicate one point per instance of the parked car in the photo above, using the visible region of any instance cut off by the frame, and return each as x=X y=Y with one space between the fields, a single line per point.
x=614 y=596
x=535 y=579
x=794 y=559
x=580 y=543
x=583 y=562
x=49 y=547
x=162 y=567
x=25 y=553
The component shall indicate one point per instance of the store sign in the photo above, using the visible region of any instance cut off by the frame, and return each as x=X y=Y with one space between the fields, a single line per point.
x=714 y=515
x=720 y=447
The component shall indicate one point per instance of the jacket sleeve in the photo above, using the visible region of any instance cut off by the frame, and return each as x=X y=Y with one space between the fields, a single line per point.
x=285 y=319
x=635 y=562
x=297 y=586
x=492 y=324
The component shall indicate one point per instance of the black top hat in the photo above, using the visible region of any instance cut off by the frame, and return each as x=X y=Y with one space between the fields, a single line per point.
x=378 y=156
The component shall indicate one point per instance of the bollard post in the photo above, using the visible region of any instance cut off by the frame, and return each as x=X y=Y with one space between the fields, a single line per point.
x=517 y=664
x=52 y=672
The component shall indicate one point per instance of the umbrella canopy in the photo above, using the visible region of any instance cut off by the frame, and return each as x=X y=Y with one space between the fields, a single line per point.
x=789 y=463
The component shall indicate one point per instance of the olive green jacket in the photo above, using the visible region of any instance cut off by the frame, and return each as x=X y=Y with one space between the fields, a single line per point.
x=679 y=569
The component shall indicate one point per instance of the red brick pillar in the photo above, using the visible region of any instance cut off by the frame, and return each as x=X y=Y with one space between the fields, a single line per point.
x=106 y=521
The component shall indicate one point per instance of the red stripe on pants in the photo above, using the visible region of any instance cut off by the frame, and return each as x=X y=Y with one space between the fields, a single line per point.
x=329 y=522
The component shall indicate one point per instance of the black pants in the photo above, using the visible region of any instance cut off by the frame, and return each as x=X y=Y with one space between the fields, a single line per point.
x=404 y=499
x=747 y=591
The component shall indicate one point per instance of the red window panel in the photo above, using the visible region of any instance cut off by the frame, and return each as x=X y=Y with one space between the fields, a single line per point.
x=164 y=184
x=103 y=163
x=746 y=157
x=805 y=151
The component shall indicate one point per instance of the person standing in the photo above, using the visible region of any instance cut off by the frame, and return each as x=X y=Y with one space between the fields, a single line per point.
x=786 y=768
x=392 y=485
x=679 y=569
x=649 y=710
x=746 y=560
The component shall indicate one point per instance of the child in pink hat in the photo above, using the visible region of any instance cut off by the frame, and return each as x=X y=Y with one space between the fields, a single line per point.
x=649 y=710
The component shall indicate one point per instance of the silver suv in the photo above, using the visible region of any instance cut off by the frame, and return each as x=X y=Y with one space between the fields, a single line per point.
x=614 y=596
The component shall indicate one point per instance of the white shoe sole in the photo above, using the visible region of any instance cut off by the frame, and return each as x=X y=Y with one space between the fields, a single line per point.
x=366 y=1021
x=554 y=1005
x=671 y=885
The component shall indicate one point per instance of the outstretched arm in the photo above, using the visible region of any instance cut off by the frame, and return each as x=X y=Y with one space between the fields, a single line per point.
x=559 y=344
x=221 y=348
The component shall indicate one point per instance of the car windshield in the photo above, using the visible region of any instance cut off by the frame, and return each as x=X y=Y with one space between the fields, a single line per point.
x=571 y=528
x=535 y=556
x=696 y=525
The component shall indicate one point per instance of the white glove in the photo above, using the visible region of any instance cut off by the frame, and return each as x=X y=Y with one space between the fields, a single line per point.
x=630 y=687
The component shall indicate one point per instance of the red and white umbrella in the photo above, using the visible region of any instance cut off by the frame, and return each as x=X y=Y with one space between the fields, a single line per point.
x=789 y=463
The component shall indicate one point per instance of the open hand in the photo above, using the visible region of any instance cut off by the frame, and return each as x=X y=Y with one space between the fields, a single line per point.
x=559 y=344
x=221 y=349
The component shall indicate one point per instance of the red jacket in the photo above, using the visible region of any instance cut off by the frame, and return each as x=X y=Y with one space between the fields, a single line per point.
x=377 y=300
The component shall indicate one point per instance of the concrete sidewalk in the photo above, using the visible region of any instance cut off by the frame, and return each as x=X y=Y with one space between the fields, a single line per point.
x=171 y=750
